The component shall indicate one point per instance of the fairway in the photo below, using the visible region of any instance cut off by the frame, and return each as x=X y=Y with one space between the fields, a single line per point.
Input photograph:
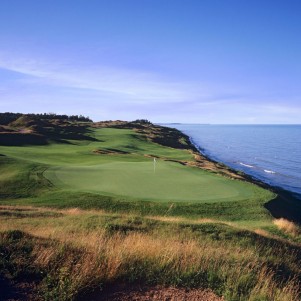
x=170 y=182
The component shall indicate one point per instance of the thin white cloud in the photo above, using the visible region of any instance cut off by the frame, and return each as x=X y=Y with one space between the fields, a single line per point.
x=139 y=86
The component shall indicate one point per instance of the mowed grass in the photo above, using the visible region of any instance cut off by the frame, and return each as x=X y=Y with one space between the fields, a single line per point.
x=128 y=172
x=80 y=152
x=170 y=182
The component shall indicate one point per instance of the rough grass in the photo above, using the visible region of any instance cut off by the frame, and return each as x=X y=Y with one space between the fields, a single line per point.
x=79 y=251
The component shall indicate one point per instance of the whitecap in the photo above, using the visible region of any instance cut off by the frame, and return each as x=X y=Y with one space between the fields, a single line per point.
x=247 y=165
x=269 y=171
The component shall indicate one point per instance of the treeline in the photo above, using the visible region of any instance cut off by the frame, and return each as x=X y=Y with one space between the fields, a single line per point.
x=142 y=121
x=8 y=117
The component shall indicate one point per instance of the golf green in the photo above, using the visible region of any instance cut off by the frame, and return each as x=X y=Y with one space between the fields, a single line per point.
x=170 y=181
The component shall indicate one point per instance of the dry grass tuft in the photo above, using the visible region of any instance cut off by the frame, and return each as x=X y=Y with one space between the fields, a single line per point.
x=168 y=219
x=287 y=226
x=262 y=232
x=174 y=219
x=73 y=211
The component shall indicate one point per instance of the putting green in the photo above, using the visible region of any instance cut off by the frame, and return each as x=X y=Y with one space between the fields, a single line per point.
x=170 y=182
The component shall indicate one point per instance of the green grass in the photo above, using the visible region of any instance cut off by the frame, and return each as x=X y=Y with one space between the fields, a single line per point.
x=79 y=152
x=74 y=167
x=137 y=180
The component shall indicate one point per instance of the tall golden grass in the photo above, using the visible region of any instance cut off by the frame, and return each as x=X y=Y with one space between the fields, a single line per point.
x=84 y=258
x=287 y=226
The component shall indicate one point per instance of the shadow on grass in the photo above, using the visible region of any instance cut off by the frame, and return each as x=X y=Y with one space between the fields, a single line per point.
x=286 y=205
x=9 y=291
x=42 y=132
x=19 y=139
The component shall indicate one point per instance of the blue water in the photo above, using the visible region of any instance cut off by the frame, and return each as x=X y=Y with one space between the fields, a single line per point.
x=271 y=153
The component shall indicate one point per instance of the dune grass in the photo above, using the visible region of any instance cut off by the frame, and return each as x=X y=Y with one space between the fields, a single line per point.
x=73 y=252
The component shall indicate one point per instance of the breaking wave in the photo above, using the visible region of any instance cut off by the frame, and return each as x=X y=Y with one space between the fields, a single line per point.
x=247 y=165
x=269 y=171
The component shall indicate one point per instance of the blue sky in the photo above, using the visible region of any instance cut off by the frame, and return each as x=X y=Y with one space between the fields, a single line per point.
x=202 y=61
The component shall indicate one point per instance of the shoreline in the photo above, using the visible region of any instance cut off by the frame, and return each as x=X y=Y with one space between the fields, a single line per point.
x=247 y=175
x=286 y=204
x=256 y=170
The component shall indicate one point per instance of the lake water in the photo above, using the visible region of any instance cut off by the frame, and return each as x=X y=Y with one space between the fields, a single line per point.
x=271 y=153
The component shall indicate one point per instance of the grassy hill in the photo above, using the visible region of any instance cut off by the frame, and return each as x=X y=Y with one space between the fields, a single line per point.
x=86 y=210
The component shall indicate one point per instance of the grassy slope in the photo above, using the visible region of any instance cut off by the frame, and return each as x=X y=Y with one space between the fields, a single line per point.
x=205 y=241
